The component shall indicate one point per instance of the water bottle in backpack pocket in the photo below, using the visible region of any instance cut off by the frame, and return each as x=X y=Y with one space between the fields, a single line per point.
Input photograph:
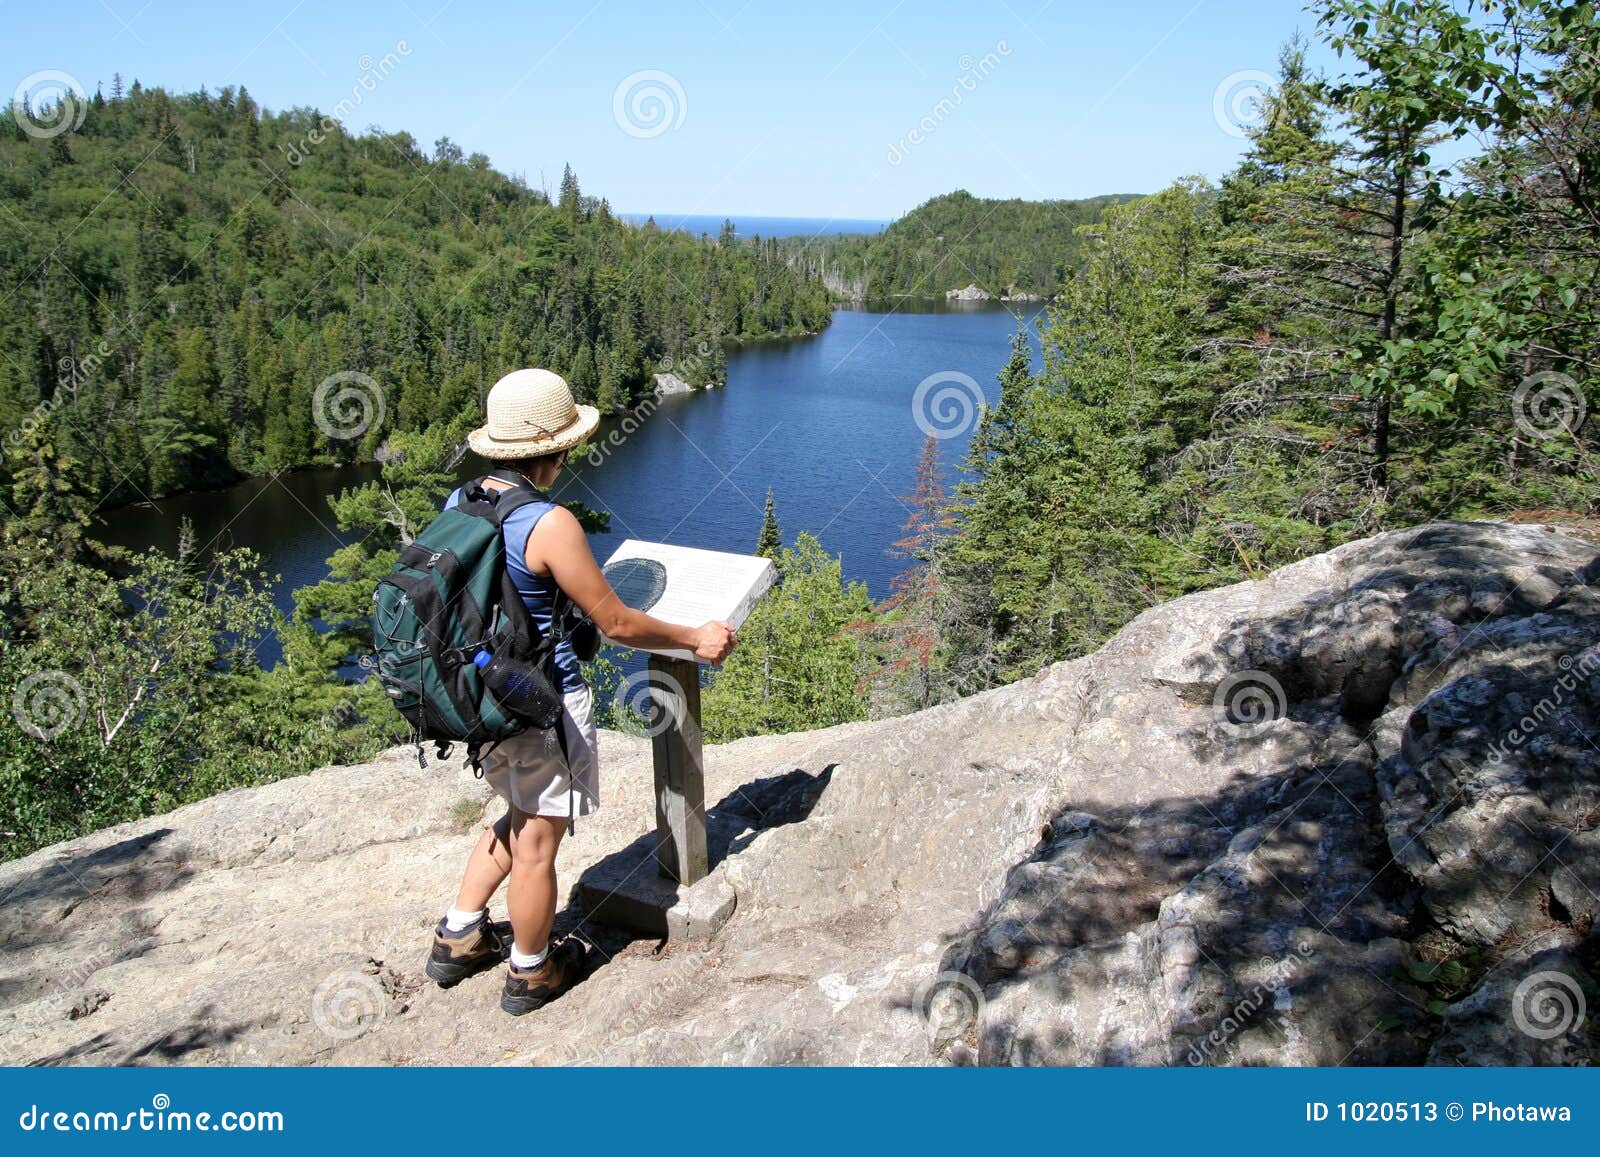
x=521 y=688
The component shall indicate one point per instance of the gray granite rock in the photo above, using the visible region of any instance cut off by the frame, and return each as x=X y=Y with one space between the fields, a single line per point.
x=1233 y=835
x=1536 y=1007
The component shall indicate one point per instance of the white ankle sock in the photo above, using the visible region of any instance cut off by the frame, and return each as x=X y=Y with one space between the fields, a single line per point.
x=522 y=962
x=455 y=920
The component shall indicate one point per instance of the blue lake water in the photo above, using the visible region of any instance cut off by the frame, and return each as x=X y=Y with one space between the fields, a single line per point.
x=827 y=422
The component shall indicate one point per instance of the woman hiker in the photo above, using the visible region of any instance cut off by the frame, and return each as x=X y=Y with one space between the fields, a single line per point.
x=532 y=423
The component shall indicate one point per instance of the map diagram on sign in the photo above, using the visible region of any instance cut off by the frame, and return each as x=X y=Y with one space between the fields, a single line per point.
x=687 y=586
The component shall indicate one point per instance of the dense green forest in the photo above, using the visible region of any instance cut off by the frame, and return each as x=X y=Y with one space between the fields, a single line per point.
x=1347 y=334
x=1344 y=334
x=1003 y=247
x=183 y=272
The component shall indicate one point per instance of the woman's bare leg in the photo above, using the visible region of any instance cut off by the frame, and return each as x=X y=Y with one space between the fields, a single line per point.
x=487 y=868
x=531 y=898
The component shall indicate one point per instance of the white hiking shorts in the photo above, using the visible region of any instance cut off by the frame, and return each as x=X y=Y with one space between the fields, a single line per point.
x=528 y=772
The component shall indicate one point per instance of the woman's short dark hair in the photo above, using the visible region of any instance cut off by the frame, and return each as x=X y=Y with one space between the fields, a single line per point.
x=534 y=464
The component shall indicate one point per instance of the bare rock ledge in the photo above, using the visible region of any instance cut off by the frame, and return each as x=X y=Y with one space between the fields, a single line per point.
x=1348 y=814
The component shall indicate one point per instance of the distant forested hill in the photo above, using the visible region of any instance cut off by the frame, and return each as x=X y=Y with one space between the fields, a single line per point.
x=180 y=274
x=1010 y=246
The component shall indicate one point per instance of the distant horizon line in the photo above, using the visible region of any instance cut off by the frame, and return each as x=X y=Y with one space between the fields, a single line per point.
x=755 y=216
x=885 y=220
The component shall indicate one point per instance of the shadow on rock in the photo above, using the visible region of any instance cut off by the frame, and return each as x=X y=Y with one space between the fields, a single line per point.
x=110 y=1048
x=1412 y=806
x=732 y=824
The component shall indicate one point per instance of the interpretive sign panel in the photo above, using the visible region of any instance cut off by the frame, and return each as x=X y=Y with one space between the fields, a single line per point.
x=687 y=586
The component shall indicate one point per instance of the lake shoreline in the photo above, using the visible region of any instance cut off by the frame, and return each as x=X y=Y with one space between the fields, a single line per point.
x=651 y=402
x=829 y=422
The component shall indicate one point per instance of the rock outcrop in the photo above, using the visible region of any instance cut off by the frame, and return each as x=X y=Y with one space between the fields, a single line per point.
x=972 y=292
x=1344 y=815
x=670 y=383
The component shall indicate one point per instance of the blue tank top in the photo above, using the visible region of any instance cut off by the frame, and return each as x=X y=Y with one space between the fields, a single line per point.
x=538 y=591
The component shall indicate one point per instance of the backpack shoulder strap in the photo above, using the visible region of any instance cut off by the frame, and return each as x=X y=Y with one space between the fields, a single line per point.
x=498 y=505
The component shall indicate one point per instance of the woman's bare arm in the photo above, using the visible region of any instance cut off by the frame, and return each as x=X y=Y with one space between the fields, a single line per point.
x=558 y=547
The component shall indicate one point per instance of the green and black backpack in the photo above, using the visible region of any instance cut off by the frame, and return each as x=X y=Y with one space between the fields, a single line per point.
x=448 y=598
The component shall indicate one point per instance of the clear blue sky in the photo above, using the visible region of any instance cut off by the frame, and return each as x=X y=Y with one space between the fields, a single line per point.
x=785 y=109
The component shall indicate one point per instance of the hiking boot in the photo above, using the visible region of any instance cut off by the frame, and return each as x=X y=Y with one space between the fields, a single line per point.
x=526 y=991
x=457 y=955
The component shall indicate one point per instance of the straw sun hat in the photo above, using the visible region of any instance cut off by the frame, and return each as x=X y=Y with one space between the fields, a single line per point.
x=531 y=413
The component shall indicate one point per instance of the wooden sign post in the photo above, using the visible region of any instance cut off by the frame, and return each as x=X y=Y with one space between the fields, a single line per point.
x=680 y=770
x=685 y=586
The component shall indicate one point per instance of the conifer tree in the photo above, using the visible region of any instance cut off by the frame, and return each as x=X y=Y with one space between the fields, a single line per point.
x=769 y=543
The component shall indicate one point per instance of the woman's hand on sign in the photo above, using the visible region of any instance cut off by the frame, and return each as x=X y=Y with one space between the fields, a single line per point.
x=558 y=547
x=713 y=641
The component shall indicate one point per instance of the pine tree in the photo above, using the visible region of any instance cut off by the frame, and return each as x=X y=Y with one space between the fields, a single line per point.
x=570 y=197
x=997 y=428
x=769 y=544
